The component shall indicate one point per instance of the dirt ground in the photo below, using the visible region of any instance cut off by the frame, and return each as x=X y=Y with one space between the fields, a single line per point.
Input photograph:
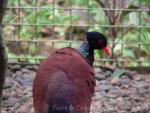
x=128 y=94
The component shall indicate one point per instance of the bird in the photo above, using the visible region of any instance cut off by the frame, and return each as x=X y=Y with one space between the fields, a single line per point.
x=65 y=81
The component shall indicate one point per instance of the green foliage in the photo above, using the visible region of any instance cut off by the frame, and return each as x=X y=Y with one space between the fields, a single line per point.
x=12 y=2
x=46 y=17
x=118 y=72
x=62 y=44
x=25 y=58
x=145 y=39
x=128 y=53
x=80 y=2
x=133 y=17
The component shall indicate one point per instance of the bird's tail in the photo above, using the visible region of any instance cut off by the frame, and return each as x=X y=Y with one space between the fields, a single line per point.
x=60 y=91
x=63 y=106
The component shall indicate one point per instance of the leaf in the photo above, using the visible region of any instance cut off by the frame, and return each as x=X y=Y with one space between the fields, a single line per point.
x=118 y=72
x=32 y=49
x=128 y=53
x=99 y=53
x=61 y=44
x=134 y=18
x=75 y=44
x=124 y=13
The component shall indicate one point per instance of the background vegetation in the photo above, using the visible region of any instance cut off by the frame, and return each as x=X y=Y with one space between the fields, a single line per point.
x=67 y=20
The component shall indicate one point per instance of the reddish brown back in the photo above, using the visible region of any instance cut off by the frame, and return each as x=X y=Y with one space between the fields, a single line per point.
x=72 y=67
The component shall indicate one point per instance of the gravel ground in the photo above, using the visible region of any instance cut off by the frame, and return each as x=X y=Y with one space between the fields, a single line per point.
x=128 y=94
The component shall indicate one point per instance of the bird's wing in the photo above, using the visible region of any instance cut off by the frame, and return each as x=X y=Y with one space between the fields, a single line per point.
x=63 y=65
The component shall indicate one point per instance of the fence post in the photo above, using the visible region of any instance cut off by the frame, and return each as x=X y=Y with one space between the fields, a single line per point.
x=3 y=57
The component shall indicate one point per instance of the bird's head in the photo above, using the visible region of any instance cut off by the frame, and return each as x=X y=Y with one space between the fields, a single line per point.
x=97 y=40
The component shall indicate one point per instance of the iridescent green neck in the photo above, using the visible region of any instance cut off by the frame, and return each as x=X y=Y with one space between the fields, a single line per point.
x=87 y=52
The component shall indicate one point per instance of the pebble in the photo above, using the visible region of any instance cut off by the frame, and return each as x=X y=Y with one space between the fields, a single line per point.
x=100 y=77
x=112 y=95
x=25 y=70
x=126 y=106
x=4 y=111
x=15 y=67
x=29 y=76
x=108 y=74
x=115 y=81
x=105 y=88
x=24 y=109
x=137 y=77
x=11 y=101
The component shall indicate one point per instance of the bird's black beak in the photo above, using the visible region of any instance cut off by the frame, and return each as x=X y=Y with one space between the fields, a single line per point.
x=107 y=51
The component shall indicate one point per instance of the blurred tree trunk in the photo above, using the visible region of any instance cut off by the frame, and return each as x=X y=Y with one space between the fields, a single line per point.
x=3 y=57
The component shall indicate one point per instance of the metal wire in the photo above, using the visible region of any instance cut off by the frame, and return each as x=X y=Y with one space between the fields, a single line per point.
x=16 y=25
x=98 y=9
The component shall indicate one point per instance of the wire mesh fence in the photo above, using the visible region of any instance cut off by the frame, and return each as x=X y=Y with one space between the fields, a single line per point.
x=33 y=29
